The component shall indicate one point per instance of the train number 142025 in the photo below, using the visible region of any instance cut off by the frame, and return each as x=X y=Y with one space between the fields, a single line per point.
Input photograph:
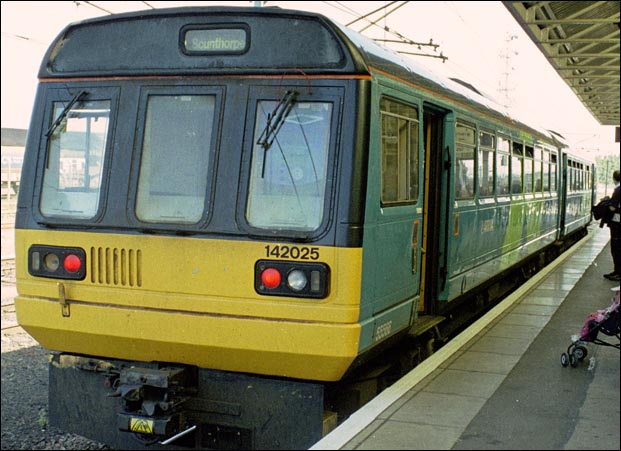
x=293 y=252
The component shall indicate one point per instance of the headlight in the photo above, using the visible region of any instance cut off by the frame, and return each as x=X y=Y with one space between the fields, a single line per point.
x=51 y=262
x=297 y=280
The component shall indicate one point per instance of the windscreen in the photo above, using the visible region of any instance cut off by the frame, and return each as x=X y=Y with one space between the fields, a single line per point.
x=289 y=165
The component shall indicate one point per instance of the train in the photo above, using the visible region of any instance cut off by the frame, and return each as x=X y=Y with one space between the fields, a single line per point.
x=216 y=227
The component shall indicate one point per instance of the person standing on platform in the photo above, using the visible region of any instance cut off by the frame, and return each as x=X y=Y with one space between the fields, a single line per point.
x=615 y=228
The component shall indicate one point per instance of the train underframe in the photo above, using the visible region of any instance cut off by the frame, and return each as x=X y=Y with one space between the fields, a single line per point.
x=135 y=405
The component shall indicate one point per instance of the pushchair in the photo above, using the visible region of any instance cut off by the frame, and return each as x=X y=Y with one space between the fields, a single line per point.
x=605 y=321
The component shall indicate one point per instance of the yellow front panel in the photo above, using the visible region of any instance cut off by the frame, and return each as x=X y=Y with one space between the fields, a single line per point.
x=191 y=300
x=300 y=350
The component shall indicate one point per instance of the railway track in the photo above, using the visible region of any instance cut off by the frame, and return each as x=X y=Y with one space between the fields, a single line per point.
x=8 y=214
x=9 y=321
x=10 y=328
x=8 y=270
x=8 y=223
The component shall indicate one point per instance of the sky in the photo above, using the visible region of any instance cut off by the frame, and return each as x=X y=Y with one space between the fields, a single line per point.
x=483 y=43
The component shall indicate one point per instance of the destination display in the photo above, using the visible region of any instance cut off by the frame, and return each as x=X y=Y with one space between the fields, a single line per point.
x=216 y=40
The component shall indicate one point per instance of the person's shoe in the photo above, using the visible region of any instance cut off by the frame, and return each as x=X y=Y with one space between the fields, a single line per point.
x=613 y=276
x=610 y=274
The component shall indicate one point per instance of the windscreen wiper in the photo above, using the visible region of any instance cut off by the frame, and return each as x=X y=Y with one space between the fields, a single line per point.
x=79 y=96
x=275 y=120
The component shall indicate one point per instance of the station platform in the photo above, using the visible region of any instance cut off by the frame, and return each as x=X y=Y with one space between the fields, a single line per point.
x=500 y=384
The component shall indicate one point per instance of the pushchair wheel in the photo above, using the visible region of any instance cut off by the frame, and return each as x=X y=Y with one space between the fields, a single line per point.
x=573 y=361
x=580 y=352
x=564 y=359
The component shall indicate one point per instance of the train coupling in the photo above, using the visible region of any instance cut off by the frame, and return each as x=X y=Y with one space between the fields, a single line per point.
x=152 y=402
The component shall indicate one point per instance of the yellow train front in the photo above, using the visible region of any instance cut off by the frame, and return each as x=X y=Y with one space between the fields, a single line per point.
x=213 y=222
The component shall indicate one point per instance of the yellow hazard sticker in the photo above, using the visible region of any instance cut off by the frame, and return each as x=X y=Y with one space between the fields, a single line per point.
x=141 y=425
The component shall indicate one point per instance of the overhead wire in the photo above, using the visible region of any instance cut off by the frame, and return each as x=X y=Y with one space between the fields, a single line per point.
x=401 y=38
x=368 y=14
x=95 y=6
x=383 y=17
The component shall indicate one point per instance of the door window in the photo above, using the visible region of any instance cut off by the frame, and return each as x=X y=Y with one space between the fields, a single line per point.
x=400 y=150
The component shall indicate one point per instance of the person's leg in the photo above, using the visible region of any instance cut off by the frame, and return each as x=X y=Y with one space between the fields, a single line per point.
x=615 y=243
x=615 y=250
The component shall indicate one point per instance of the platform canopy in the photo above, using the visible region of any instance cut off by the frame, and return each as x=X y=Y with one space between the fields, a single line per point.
x=581 y=41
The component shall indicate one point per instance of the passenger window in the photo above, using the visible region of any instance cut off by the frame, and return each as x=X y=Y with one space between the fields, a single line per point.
x=546 y=171
x=76 y=153
x=553 y=171
x=528 y=169
x=502 y=166
x=517 y=174
x=177 y=135
x=464 y=167
x=571 y=177
x=538 y=188
x=400 y=148
x=486 y=164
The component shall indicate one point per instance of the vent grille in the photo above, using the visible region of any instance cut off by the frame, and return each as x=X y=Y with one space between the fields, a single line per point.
x=118 y=267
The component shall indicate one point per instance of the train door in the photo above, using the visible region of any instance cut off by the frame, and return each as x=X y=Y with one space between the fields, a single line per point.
x=393 y=215
x=436 y=206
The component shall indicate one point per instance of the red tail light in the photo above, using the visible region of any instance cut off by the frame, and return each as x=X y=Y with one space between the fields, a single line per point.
x=72 y=263
x=270 y=278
